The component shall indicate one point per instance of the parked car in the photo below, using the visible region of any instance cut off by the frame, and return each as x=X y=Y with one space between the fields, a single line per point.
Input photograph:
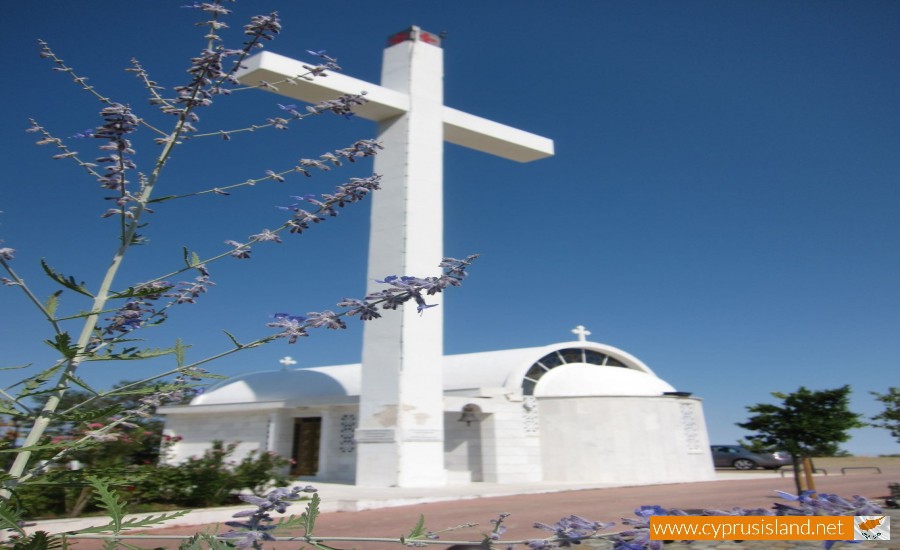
x=725 y=456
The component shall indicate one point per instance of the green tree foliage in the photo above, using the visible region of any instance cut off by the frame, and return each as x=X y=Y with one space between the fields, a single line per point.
x=889 y=419
x=807 y=423
x=213 y=479
x=135 y=443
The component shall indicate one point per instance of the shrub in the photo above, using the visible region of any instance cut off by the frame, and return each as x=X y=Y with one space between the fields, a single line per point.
x=208 y=480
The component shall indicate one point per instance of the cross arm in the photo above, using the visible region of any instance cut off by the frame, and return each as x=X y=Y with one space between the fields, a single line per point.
x=492 y=137
x=383 y=103
x=272 y=67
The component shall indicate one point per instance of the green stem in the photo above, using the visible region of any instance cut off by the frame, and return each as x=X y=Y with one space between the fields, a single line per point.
x=48 y=411
x=34 y=299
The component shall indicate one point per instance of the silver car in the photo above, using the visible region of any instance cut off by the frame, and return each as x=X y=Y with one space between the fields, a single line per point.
x=725 y=456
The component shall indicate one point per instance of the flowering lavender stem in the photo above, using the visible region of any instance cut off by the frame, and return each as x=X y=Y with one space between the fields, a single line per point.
x=325 y=206
x=34 y=299
x=49 y=138
x=47 y=413
x=81 y=81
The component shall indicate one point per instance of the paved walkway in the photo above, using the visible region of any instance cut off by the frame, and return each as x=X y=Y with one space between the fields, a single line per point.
x=352 y=511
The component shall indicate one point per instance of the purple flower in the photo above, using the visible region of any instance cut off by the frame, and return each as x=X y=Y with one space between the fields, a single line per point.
x=241 y=251
x=119 y=121
x=292 y=326
x=274 y=176
x=188 y=292
x=7 y=253
x=129 y=317
x=245 y=539
x=330 y=62
x=327 y=319
x=262 y=27
x=365 y=310
x=255 y=530
x=266 y=235
x=571 y=529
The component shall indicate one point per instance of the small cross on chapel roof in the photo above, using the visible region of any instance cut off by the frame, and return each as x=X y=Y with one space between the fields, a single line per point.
x=581 y=332
x=287 y=362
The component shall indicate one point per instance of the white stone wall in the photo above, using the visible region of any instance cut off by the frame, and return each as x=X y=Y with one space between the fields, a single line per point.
x=337 y=453
x=624 y=440
x=281 y=434
x=510 y=453
x=462 y=449
x=198 y=431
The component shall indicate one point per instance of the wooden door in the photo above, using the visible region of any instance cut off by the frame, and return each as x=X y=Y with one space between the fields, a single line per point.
x=307 y=437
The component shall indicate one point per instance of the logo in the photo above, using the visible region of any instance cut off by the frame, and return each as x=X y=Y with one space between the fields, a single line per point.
x=872 y=528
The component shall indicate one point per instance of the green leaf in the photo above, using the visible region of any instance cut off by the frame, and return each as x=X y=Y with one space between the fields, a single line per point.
x=90 y=415
x=191 y=259
x=17 y=367
x=233 y=339
x=8 y=407
x=132 y=292
x=309 y=516
x=144 y=390
x=418 y=531
x=82 y=314
x=161 y=199
x=290 y=522
x=81 y=383
x=109 y=501
x=32 y=383
x=133 y=523
x=205 y=375
x=34 y=448
x=68 y=282
x=52 y=303
x=10 y=518
x=40 y=540
x=179 y=352
x=63 y=343
x=131 y=354
x=212 y=543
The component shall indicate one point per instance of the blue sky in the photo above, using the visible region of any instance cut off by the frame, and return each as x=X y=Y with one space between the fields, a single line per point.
x=723 y=201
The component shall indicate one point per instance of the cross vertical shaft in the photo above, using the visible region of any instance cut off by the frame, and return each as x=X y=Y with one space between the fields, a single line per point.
x=400 y=436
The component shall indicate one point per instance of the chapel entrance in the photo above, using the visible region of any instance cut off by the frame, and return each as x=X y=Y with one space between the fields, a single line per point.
x=305 y=448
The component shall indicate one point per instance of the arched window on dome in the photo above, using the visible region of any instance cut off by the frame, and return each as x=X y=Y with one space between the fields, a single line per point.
x=564 y=357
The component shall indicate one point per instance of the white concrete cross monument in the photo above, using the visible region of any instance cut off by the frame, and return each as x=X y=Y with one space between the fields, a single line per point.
x=400 y=428
x=581 y=332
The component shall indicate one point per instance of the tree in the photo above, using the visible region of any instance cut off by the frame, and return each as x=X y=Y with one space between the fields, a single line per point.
x=136 y=442
x=889 y=419
x=807 y=423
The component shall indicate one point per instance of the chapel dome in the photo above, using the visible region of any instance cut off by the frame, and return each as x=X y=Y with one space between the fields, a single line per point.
x=566 y=369
x=586 y=380
x=312 y=385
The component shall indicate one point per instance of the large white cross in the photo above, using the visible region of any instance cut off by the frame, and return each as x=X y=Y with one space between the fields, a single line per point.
x=400 y=438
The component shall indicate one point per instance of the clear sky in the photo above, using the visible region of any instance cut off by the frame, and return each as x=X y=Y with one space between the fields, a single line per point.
x=723 y=203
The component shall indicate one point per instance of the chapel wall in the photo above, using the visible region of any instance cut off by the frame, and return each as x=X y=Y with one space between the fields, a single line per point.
x=511 y=450
x=617 y=439
x=462 y=448
x=197 y=433
x=337 y=453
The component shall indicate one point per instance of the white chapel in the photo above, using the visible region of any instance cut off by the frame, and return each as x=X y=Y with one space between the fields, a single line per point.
x=408 y=415
x=575 y=411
